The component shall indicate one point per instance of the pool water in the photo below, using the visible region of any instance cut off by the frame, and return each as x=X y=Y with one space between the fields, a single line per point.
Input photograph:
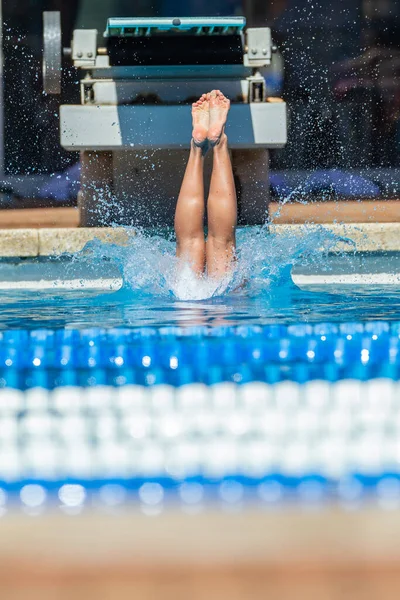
x=284 y=303
x=151 y=296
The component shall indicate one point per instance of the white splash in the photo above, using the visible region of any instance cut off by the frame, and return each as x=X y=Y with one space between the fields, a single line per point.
x=186 y=285
x=149 y=265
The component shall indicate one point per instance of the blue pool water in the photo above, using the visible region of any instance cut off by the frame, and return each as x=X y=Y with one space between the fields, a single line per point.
x=284 y=303
x=151 y=297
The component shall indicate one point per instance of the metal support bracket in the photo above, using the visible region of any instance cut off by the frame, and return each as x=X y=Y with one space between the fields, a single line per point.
x=259 y=47
x=257 y=88
x=84 y=47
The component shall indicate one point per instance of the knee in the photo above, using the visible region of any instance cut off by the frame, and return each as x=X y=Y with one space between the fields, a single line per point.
x=189 y=243
x=226 y=240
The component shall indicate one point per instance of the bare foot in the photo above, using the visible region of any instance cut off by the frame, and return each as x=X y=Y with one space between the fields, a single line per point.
x=219 y=107
x=201 y=117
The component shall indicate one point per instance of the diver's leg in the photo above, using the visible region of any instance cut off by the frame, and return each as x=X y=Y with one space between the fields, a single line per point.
x=222 y=203
x=189 y=214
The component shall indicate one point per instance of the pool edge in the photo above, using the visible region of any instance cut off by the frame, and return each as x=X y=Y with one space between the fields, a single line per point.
x=23 y=243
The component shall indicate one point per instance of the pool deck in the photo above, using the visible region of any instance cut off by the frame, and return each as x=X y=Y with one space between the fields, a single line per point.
x=32 y=242
x=315 y=211
x=320 y=554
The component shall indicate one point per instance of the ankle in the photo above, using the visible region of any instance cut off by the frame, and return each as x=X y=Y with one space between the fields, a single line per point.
x=221 y=142
x=199 y=147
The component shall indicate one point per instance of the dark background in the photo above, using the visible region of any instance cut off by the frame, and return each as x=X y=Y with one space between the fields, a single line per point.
x=340 y=76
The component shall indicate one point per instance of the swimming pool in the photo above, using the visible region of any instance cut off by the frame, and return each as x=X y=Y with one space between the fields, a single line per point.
x=272 y=393
x=291 y=277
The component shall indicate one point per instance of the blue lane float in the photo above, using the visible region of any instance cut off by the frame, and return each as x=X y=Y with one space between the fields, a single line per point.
x=178 y=356
x=73 y=496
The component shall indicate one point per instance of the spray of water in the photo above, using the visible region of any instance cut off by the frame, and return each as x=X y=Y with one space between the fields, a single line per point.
x=149 y=266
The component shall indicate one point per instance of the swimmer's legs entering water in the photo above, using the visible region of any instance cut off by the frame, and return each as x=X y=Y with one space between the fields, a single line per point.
x=209 y=118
